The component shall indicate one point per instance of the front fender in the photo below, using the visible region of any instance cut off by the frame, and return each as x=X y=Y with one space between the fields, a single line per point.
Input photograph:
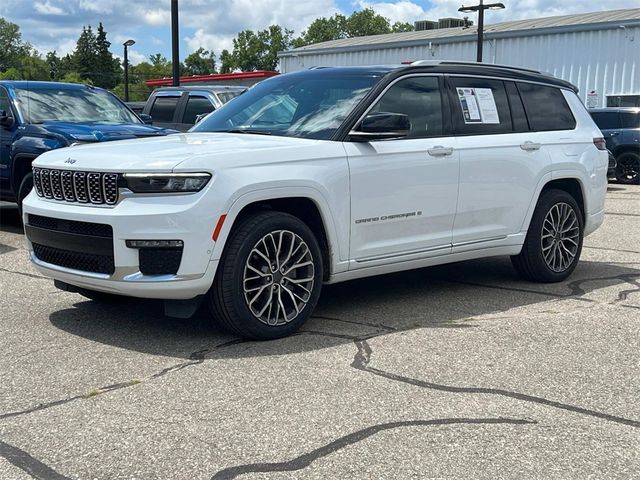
x=337 y=240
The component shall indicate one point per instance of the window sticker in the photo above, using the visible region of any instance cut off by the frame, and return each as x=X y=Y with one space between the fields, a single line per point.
x=478 y=105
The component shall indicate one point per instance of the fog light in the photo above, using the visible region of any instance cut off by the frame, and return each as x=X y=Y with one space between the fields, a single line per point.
x=154 y=243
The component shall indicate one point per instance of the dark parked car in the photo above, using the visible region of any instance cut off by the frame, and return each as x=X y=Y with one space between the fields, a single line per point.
x=39 y=116
x=621 y=129
x=180 y=107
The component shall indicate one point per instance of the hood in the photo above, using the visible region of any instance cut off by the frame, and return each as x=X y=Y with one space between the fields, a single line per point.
x=102 y=132
x=202 y=151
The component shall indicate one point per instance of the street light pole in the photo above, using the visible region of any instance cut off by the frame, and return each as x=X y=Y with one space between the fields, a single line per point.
x=480 y=9
x=175 y=45
x=126 y=45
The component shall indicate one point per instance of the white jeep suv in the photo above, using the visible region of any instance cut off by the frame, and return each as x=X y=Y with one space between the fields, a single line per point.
x=322 y=176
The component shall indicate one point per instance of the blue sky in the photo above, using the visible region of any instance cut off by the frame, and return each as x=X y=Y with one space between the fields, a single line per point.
x=56 y=24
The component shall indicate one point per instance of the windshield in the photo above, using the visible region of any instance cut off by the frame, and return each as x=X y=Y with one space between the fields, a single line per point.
x=291 y=106
x=77 y=105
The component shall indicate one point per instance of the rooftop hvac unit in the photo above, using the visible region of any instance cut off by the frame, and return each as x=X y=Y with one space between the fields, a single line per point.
x=450 y=22
x=425 y=25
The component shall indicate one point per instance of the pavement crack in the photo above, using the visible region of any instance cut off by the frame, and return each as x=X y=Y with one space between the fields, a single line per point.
x=362 y=359
x=304 y=460
x=24 y=274
x=25 y=462
x=195 y=358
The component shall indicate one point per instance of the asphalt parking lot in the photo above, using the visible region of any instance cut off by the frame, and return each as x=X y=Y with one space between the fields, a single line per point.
x=460 y=371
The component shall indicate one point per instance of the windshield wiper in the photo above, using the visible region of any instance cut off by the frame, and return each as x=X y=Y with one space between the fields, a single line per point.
x=243 y=130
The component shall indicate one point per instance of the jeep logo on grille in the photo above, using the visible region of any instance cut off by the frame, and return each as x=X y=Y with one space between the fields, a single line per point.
x=70 y=160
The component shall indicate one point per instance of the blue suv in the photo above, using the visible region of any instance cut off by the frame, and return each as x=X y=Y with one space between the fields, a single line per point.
x=621 y=129
x=39 y=116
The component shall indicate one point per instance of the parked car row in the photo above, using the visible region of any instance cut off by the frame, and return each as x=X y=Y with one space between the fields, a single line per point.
x=36 y=117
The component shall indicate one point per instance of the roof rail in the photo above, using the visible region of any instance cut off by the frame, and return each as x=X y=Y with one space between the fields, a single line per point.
x=492 y=65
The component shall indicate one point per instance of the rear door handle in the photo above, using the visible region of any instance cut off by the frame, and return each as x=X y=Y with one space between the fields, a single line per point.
x=529 y=146
x=440 y=151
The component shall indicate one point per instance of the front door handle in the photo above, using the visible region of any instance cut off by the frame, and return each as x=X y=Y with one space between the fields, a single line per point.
x=530 y=146
x=440 y=151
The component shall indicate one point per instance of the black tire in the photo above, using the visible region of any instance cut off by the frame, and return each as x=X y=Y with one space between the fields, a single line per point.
x=628 y=168
x=226 y=299
x=531 y=263
x=25 y=188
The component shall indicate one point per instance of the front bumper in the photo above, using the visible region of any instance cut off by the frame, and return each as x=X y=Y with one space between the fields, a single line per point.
x=178 y=217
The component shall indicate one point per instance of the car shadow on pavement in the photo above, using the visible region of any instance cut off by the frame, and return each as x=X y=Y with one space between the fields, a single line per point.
x=439 y=297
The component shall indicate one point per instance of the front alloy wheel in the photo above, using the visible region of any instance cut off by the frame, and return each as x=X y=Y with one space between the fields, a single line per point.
x=278 y=277
x=269 y=277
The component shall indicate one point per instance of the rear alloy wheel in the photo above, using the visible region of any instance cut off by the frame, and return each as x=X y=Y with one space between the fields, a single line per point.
x=628 y=168
x=554 y=240
x=269 y=278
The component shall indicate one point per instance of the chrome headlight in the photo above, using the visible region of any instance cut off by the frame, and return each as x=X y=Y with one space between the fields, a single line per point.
x=166 y=182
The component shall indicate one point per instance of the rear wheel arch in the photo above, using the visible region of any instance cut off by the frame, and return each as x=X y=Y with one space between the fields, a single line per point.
x=573 y=187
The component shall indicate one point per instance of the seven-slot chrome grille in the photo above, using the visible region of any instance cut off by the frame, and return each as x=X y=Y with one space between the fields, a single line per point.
x=84 y=187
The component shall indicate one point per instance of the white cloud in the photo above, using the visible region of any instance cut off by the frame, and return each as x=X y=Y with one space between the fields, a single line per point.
x=157 y=17
x=409 y=11
x=133 y=56
x=47 y=8
x=96 y=6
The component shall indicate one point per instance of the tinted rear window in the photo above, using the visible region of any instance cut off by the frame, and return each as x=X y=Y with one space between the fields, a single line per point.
x=606 y=120
x=196 y=105
x=546 y=108
x=163 y=109
x=630 y=120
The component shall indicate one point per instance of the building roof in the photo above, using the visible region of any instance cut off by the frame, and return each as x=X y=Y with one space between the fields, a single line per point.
x=576 y=22
x=216 y=77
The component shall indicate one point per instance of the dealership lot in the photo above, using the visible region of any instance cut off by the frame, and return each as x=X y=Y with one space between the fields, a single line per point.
x=455 y=371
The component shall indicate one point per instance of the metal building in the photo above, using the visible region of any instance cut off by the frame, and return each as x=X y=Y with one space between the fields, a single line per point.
x=598 y=52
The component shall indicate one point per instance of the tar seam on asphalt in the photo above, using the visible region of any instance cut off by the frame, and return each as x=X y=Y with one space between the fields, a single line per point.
x=307 y=459
x=195 y=358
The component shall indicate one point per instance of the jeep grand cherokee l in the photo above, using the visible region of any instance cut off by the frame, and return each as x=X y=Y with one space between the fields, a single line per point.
x=322 y=176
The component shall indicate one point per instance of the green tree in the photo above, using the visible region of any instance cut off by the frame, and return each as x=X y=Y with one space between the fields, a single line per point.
x=323 y=30
x=12 y=48
x=31 y=67
x=200 y=62
x=366 y=22
x=226 y=60
x=107 y=68
x=55 y=65
x=256 y=51
x=85 y=54
x=358 y=24
x=402 y=27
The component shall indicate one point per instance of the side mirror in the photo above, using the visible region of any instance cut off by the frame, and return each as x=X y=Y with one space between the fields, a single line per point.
x=6 y=120
x=146 y=118
x=200 y=117
x=381 y=126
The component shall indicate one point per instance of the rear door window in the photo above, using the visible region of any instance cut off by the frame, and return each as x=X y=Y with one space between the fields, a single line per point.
x=480 y=106
x=196 y=105
x=606 y=120
x=630 y=120
x=546 y=108
x=163 y=108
